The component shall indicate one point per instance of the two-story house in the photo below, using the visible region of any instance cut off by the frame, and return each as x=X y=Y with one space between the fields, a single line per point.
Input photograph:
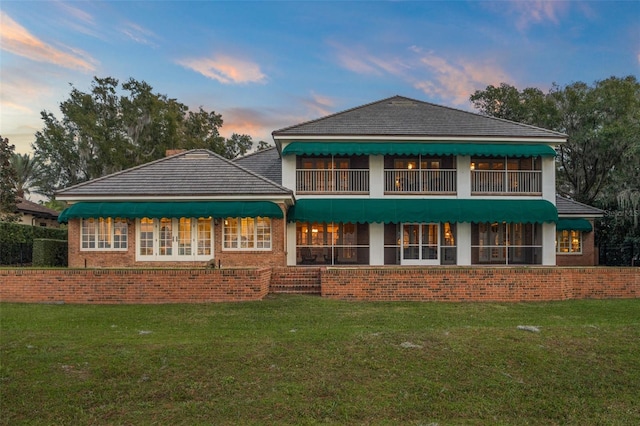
x=404 y=182
x=394 y=182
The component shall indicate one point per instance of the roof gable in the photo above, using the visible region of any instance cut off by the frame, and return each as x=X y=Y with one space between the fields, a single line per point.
x=198 y=172
x=400 y=116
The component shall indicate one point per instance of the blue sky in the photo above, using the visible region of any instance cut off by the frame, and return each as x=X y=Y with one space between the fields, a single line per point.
x=266 y=65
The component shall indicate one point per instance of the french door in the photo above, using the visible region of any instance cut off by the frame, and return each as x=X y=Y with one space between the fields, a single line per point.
x=175 y=239
x=420 y=244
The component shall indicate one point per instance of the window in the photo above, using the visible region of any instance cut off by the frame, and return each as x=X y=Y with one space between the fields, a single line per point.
x=506 y=243
x=247 y=233
x=569 y=242
x=332 y=243
x=103 y=234
x=179 y=239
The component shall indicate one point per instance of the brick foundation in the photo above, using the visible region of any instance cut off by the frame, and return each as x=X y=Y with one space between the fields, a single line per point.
x=454 y=284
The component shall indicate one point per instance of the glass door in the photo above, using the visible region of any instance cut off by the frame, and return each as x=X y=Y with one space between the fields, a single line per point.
x=420 y=244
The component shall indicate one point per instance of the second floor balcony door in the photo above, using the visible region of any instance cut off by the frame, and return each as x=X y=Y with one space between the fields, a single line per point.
x=420 y=244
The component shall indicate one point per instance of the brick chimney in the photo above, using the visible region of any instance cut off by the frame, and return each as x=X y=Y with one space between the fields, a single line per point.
x=170 y=152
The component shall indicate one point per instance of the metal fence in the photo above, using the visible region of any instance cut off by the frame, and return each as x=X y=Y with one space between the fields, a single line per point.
x=16 y=254
x=626 y=254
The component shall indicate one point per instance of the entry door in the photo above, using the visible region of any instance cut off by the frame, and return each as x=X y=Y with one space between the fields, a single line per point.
x=177 y=239
x=420 y=244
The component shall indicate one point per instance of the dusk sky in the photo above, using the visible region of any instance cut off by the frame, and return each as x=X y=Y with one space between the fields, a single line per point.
x=267 y=65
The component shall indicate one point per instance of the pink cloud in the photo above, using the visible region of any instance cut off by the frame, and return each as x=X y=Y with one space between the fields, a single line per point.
x=226 y=69
x=457 y=81
x=17 y=40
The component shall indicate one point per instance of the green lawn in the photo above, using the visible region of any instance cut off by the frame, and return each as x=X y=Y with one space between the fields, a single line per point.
x=308 y=360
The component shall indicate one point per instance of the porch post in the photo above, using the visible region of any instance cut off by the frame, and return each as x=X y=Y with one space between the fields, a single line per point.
x=464 y=243
x=549 y=244
x=376 y=244
x=376 y=176
x=291 y=243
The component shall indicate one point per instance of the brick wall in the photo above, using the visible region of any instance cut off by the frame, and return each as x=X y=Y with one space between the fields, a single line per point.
x=141 y=286
x=457 y=284
x=126 y=259
x=454 y=284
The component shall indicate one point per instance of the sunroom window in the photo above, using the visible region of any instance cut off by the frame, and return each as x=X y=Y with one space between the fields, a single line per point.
x=569 y=242
x=247 y=233
x=103 y=234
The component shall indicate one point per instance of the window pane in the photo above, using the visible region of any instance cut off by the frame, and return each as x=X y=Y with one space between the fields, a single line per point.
x=184 y=237
x=146 y=237
x=88 y=233
x=247 y=232
x=263 y=233
x=231 y=232
x=120 y=230
x=166 y=237
x=104 y=233
x=204 y=237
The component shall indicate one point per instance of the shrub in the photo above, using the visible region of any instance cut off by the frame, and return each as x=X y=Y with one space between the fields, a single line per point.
x=48 y=252
x=16 y=241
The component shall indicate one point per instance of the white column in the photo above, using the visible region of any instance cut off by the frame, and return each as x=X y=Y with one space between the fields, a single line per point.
x=549 y=244
x=289 y=172
x=549 y=179
x=376 y=176
x=291 y=244
x=376 y=244
x=463 y=243
x=463 y=176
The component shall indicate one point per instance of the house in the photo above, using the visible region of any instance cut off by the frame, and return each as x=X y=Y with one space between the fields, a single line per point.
x=575 y=241
x=394 y=182
x=189 y=208
x=35 y=214
x=405 y=182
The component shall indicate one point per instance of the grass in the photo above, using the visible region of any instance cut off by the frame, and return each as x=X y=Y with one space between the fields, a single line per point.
x=307 y=360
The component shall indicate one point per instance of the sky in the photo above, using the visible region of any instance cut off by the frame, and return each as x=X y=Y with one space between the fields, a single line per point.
x=271 y=64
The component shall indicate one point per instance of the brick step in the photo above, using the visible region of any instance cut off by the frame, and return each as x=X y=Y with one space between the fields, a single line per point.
x=296 y=281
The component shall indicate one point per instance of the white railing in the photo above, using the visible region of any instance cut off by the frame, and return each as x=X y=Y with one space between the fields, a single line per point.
x=508 y=182
x=420 y=181
x=318 y=181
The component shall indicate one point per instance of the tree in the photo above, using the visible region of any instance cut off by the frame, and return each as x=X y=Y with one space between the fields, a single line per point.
x=27 y=174
x=8 y=198
x=262 y=145
x=113 y=127
x=602 y=123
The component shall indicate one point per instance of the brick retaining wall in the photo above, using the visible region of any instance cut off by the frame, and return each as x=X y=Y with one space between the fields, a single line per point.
x=480 y=284
x=105 y=286
x=454 y=284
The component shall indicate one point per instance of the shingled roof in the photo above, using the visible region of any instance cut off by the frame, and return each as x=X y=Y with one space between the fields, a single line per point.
x=197 y=172
x=35 y=209
x=568 y=207
x=399 y=116
x=266 y=163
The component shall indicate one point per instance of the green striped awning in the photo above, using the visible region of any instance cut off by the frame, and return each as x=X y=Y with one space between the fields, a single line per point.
x=417 y=148
x=371 y=210
x=574 y=224
x=216 y=209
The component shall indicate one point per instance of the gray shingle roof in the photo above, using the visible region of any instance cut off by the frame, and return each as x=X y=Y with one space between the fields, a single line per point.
x=266 y=163
x=568 y=207
x=35 y=209
x=198 y=172
x=399 y=116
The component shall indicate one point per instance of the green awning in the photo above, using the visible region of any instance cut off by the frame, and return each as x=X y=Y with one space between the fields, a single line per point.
x=574 y=224
x=377 y=210
x=416 y=148
x=130 y=210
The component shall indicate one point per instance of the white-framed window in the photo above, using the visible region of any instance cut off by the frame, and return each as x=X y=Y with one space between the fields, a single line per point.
x=103 y=234
x=246 y=233
x=569 y=242
x=176 y=239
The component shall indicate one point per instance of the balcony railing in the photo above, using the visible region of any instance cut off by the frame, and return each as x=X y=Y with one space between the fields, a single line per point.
x=332 y=181
x=506 y=182
x=420 y=181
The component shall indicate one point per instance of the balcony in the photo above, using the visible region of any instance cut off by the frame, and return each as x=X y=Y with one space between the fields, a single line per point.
x=516 y=182
x=340 y=181
x=431 y=181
